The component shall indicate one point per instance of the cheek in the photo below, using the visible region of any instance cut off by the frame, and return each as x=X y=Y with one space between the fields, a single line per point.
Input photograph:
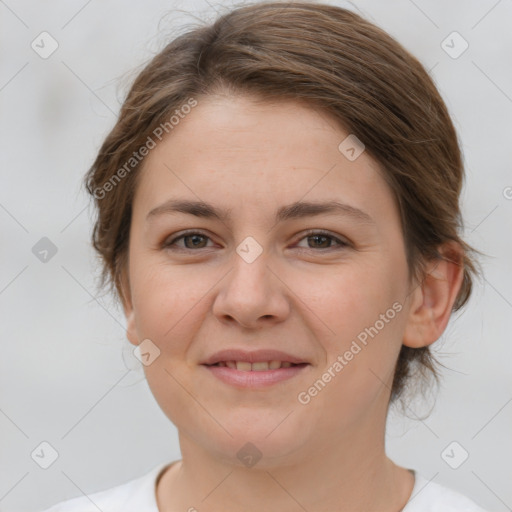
x=167 y=302
x=349 y=298
x=361 y=321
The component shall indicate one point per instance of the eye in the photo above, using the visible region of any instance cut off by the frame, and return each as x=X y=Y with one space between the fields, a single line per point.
x=191 y=239
x=322 y=240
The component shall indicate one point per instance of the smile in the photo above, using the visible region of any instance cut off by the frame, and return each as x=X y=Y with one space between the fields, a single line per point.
x=260 y=366
x=244 y=374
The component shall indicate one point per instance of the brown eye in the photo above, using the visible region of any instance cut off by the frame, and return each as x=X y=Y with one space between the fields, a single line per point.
x=192 y=240
x=323 y=240
x=195 y=241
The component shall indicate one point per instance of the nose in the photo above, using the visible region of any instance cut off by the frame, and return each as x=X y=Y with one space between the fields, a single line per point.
x=252 y=295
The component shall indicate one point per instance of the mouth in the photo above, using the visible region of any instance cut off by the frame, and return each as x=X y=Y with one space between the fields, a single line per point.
x=256 y=375
x=260 y=366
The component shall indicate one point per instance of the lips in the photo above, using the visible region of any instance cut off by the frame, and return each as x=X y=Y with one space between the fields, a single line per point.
x=254 y=379
x=260 y=366
x=241 y=359
x=255 y=369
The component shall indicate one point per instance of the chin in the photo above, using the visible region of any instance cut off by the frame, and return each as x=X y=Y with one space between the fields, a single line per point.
x=263 y=442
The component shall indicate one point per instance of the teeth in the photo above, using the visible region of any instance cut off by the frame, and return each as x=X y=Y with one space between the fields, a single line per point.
x=242 y=365
x=260 y=366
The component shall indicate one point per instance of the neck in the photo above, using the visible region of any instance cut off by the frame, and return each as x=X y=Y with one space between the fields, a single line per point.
x=349 y=473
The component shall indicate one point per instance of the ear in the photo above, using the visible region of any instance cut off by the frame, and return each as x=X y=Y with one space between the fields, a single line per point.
x=433 y=298
x=126 y=300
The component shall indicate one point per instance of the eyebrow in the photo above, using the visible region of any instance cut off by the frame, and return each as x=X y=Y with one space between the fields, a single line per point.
x=298 y=209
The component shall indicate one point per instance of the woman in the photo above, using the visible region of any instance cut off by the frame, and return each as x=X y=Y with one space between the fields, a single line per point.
x=278 y=213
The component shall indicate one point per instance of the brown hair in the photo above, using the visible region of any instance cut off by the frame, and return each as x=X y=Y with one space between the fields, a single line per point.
x=335 y=61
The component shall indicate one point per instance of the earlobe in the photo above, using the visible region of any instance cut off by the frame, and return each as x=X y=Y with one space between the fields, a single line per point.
x=131 y=331
x=432 y=300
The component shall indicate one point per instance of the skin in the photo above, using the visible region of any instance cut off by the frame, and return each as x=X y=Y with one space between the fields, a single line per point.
x=303 y=295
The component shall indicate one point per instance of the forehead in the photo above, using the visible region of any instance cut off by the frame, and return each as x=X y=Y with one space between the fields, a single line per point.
x=248 y=154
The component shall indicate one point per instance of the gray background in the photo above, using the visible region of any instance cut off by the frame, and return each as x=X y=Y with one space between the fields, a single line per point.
x=67 y=375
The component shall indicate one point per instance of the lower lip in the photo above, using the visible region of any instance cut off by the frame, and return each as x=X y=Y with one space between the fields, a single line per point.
x=254 y=379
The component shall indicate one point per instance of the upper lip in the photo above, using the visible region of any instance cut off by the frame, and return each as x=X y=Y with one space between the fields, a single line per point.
x=254 y=356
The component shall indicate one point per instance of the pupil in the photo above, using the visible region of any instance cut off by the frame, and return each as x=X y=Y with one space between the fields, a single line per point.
x=195 y=239
x=316 y=237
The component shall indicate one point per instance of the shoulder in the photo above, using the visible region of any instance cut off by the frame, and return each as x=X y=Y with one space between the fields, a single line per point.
x=429 y=496
x=127 y=497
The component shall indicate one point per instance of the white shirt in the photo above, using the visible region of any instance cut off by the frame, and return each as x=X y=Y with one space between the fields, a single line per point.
x=139 y=495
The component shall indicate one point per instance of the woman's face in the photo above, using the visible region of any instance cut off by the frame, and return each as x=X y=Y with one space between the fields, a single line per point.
x=277 y=271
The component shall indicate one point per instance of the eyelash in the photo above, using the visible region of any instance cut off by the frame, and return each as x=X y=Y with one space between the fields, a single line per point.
x=341 y=244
